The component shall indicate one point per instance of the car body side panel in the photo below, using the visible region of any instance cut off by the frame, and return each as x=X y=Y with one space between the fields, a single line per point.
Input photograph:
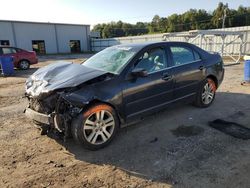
x=146 y=94
x=28 y=55
x=108 y=91
x=214 y=67
x=187 y=79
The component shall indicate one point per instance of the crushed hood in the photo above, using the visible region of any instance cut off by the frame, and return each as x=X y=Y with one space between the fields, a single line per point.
x=59 y=75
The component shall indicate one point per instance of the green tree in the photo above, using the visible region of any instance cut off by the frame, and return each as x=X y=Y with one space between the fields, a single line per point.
x=218 y=15
x=190 y=20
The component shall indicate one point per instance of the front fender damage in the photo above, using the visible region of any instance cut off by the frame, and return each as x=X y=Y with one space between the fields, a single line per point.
x=56 y=111
x=68 y=107
x=79 y=99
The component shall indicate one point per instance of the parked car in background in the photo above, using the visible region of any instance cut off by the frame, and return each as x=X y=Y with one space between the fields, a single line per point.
x=22 y=59
x=119 y=85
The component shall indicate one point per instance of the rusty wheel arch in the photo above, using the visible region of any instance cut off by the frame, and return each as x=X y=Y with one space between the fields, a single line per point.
x=97 y=101
x=214 y=79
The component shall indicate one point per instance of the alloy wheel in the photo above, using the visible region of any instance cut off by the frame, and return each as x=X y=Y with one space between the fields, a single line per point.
x=24 y=65
x=99 y=127
x=208 y=92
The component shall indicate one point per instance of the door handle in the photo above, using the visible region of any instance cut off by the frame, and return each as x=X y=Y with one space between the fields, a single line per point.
x=201 y=67
x=167 y=77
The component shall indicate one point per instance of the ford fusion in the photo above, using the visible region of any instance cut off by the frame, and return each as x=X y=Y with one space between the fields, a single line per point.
x=118 y=86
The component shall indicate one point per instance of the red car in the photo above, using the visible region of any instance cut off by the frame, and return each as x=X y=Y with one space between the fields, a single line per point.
x=22 y=58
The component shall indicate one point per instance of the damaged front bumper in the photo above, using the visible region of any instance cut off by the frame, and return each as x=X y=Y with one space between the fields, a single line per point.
x=39 y=117
x=53 y=112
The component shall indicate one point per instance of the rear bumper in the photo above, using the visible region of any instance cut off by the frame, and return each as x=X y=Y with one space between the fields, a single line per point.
x=34 y=61
x=39 y=117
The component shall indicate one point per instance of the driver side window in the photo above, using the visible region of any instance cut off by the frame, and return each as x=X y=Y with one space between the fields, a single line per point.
x=153 y=60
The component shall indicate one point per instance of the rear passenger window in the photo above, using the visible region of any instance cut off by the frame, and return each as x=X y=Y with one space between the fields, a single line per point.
x=8 y=50
x=18 y=50
x=183 y=55
x=196 y=56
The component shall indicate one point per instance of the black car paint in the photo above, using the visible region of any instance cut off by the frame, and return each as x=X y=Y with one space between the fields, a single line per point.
x=135 y=97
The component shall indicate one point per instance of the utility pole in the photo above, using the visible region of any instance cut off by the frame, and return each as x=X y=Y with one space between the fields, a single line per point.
x=224 y=18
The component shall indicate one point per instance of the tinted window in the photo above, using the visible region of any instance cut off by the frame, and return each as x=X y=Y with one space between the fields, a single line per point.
x=182 y=55
x=196 y=56
x=8 y=50
x=153 y=60
x=18 y=50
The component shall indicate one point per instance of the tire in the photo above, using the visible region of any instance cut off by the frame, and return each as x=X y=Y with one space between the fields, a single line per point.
x=95 y=127
x=206 y=94
x=24 y=65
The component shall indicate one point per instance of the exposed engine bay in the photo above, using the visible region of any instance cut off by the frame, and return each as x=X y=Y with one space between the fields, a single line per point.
x=59 y=112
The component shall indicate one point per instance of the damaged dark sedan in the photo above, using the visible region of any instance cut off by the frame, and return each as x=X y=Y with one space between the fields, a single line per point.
x=120 y=85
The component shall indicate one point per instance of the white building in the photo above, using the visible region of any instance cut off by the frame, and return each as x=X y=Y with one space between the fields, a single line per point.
x=45 y=38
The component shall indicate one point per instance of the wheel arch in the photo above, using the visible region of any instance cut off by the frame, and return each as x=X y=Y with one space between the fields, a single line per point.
x=23 y=59
x=214 y=79
x=98 y=101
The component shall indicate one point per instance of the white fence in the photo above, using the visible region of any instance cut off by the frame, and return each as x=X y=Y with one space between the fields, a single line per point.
x=213 y=44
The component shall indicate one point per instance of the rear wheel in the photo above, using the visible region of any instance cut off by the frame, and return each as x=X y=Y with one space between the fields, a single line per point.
x=24 y=64
x=95 y=127
x=206 y=93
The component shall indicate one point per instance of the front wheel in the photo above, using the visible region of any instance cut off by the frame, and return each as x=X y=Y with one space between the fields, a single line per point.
x=95 y=127
x=206 y=93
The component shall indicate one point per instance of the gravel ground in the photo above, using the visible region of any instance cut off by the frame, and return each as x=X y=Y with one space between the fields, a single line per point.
x=174 y=148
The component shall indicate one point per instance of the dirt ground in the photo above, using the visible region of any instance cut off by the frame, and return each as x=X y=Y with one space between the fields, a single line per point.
x=174 y=148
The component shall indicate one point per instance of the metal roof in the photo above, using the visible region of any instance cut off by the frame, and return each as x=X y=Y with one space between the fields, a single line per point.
x=48 y=23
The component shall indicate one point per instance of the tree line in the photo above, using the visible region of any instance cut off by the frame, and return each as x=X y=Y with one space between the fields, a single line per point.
x=190 y=20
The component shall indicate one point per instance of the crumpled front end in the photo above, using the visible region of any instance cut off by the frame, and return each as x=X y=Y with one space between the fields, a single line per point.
x=53 y=111
x=53 y=97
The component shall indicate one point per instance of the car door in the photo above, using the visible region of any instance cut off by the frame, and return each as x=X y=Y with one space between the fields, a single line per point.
x=188 y=70
x=149 y=93
x=19 y=55
x=7 y=51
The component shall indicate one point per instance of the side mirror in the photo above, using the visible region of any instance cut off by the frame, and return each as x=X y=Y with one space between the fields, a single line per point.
x=139 y=72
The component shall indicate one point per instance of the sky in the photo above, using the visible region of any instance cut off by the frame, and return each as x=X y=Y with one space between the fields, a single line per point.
x=102 y=11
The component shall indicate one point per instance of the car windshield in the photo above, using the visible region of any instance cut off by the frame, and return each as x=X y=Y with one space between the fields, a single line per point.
x=112 y=59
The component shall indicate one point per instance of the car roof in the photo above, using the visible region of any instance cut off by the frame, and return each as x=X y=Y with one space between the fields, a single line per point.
x=144 y=44
x=140 y=46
